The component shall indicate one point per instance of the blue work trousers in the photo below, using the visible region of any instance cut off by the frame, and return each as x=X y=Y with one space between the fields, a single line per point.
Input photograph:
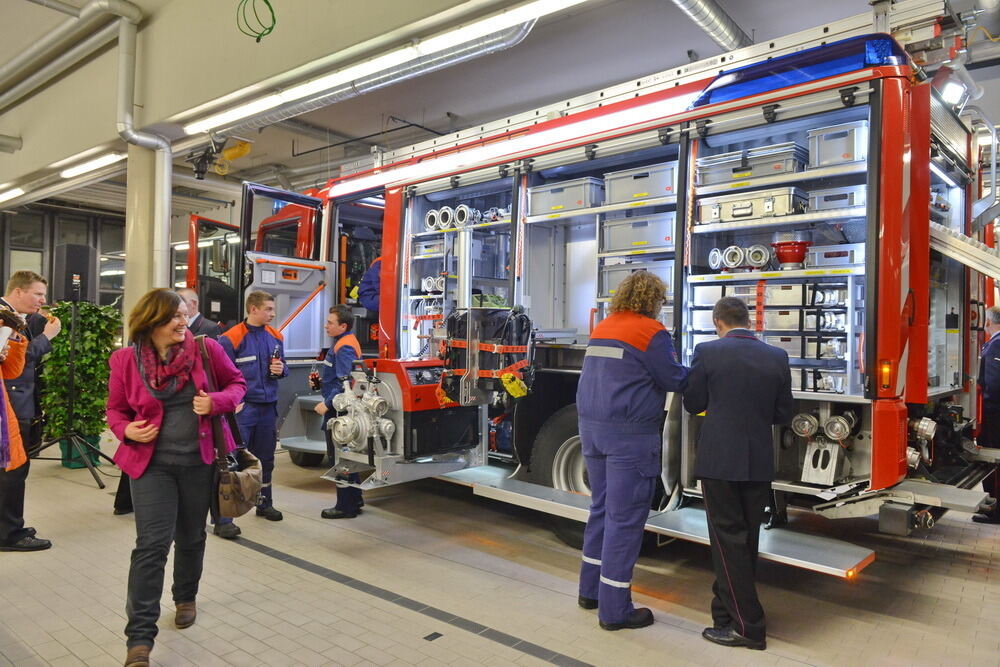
x=622 y=470
x=258 y=428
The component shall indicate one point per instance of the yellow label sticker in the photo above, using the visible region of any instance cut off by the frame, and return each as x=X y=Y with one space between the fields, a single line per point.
x=951 y=331
x=640 y=242
x=741 y=184
x=726 y=277
x=638 y=203
x=743 y=174
x=555 y=215
x=771 y=274
x=840 y=271
x=640 y=194
x=556 y=208
x=815 y=273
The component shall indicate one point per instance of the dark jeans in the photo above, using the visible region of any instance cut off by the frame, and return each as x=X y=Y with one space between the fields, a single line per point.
x=12 y=504
x=171 y=504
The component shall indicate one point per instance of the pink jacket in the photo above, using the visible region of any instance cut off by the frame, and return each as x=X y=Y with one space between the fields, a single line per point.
x=129 y=400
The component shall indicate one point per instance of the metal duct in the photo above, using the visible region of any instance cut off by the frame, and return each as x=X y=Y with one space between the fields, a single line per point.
x=38 y=55
x=490 y=44
x=58 y=6
x=716 y=23
x=54 y=68
x=53 y=185
x=163 y=188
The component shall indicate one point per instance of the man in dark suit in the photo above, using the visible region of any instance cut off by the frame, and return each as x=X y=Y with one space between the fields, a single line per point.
x=197 y=323
x=989 y=420
x=25 y=295
x=744 y=387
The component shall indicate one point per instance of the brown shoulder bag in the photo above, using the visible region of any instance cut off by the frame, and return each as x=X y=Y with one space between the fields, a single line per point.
x=238 y=476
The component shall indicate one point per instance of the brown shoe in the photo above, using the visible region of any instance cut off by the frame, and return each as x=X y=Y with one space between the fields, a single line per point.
x=138 y=656
x=186 y=613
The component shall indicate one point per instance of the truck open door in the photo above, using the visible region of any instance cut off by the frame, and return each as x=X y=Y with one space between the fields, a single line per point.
x=210 y=267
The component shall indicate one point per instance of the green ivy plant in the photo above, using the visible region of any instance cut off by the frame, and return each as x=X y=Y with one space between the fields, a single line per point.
x=96 y=329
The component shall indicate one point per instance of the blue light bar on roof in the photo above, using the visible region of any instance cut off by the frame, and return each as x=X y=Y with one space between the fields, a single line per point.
x=819 y=62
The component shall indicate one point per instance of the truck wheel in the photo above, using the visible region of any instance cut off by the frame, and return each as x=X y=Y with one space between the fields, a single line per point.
x=306 y=459
x=557 y=462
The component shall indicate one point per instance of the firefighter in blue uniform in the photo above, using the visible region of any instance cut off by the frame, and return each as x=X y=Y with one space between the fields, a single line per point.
x=337 y=365
x=258 y=352
x=368 y=289
x=744 y=387
x=628 y=369
x=989 y=387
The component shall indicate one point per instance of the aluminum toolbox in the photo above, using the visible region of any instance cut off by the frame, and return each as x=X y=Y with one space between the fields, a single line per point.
x=565 y=196
x=638 y=233
x=847 y=197
x=774 y=295
x=778 y=320
x=842 y=254
x=705 y=295
x=837 y=144
x=613 y=274
x=763 y=161
x=749 y=205
x=815 y=348
x=654 y=180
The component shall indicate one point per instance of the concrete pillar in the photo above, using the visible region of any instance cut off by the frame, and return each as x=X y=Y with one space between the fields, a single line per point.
x=139 y=205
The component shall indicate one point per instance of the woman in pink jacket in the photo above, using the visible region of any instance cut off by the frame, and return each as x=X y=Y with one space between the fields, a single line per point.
x=160 y=411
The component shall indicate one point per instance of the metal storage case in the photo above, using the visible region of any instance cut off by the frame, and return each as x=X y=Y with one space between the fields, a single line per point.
x=763 y=161
x=748 y=205
x=837 y=144
x=654 y=180
x=565 y=196
x=847 y=197
x=638 y=233
x=612 y=275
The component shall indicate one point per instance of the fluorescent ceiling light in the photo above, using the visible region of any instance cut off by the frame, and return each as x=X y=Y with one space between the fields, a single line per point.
x=432 y=45
x=493 y=151
x=91 y=165
x=952 y=92
x=11 y=194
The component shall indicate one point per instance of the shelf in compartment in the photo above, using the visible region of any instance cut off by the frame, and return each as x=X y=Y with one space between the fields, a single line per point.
x=421 y=297
x=828 y=215
x=481 y=225
x=833 y=272
x=828 y=396
x=431 y=255
x=642 y=251
x=495 y=281
x=604 y=208
x=848 y=169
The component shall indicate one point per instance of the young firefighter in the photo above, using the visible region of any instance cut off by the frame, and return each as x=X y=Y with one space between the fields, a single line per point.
x=337 y=364
x=258 y=352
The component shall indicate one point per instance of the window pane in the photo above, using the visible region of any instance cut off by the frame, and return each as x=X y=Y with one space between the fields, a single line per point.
x=26 y=260
x=112 y=273
x=26 y=230
x=73 y=230
x=112 y=239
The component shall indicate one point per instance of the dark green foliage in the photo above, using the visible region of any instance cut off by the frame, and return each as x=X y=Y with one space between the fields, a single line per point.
x=97 y=327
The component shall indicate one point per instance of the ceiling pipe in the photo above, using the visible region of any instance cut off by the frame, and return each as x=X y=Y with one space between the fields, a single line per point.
x=9 y=144
x=53 y=185
x=487 y=45
x=307 y=129
x=60 y=64
x=58 y=6
x=184 y=178
x=163 y=185
x=95 y=13
x=716 y=23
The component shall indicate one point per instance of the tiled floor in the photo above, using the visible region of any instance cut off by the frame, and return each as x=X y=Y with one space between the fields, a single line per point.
x=431 y=575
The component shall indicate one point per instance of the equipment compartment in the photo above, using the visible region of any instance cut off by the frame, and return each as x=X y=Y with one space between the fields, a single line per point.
x=638 y=233
x=759 y=204
x=764 y=161
x=565 y=196
x=655 y=180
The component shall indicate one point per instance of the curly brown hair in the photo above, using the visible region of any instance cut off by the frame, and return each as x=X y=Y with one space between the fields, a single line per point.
x=642 y=292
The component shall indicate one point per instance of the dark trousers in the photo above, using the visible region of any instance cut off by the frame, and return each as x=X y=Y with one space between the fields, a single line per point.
x=171 y=504
x=349 y=499
x=258 y=424
x=622 y=470
x=12 y=485
x=735 y=511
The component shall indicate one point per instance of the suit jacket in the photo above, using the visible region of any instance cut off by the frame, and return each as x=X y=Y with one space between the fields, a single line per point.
x=744 y=387
x=989 y=386
x=23 y=390
x=129 y=400
x=203 y=327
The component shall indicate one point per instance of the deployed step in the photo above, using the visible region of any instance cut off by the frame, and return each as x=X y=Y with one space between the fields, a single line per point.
x=782 y=545
x=533 y=496
x=941 y=495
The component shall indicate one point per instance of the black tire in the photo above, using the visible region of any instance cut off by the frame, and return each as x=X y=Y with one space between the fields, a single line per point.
x=556 y=432
x=306 y=459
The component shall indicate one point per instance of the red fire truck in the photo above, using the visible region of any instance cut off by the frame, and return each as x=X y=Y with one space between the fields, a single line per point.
x=823 y=178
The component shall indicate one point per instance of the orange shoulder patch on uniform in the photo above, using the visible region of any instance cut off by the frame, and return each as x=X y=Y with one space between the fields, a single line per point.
x=632 y=328
x=236 y=334
x=348 y=340
x=274 y=332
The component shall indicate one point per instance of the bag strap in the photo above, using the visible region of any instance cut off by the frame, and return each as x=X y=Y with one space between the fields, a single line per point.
x=220 y=447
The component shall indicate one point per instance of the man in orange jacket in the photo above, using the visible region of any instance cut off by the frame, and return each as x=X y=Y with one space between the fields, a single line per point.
x=12 y=454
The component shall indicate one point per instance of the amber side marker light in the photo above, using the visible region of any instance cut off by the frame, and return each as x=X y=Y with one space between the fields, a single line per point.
x=851 y=574
x=885 y=373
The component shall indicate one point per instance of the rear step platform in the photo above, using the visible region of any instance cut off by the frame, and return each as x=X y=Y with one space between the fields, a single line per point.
x=782 y=545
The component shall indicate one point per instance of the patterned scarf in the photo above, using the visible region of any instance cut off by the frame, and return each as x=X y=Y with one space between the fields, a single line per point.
x=164 y=379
